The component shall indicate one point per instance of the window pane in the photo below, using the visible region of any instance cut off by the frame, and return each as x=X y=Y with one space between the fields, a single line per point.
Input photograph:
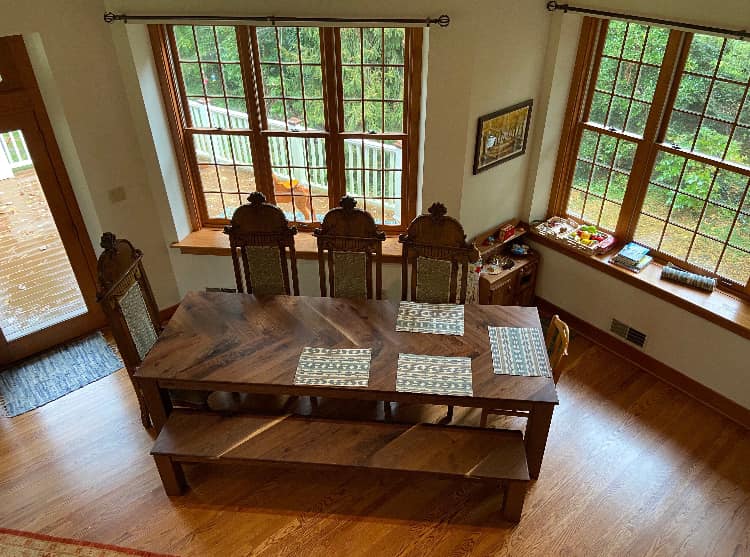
x=696 y=222
x=227 y=39
x=294 y=84
x=379 y=79
x=373 y=173
x=300 y=178
x=627 y=77
x=710 y=117
x=183 y=36
x=600 y=178
x=207 y=52
x=225 y=167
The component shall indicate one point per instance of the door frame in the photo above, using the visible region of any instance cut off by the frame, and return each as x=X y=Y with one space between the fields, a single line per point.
x=20 y=98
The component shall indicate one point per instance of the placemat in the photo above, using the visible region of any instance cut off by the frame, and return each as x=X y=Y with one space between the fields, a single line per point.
x=417 y=373
x=439 y=319
x=519 y=351
x=338 y=367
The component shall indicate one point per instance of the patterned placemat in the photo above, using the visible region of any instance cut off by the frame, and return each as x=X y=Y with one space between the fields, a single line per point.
x=519 y=351
x=338 y=367
x=439 y=319
x=440 y=375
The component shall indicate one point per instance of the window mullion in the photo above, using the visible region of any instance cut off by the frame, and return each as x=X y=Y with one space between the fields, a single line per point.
x=413 y=88
x=248 y=50
x=333 y=95
x=645 y=154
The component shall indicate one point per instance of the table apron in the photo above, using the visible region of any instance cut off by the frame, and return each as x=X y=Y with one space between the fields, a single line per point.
x=355 y=394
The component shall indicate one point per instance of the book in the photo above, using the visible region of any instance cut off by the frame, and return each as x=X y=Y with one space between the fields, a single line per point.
x=632 y=253
x=637 y=268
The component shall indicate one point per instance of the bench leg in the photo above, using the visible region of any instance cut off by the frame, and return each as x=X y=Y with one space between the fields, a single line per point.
x=515 y=493
x=171 y=475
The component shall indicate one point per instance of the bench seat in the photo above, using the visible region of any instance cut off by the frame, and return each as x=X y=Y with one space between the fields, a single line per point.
x=468 y=452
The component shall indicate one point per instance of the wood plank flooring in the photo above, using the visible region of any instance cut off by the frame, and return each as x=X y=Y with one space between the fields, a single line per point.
x=633 y=467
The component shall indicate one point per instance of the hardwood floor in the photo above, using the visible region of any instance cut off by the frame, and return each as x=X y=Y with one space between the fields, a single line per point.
x=633 y=467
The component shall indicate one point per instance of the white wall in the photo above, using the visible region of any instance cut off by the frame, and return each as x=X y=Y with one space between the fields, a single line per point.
x=102 y=94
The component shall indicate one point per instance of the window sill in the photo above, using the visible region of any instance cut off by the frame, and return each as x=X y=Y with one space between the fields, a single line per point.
x=212 y=241
x=718 y=307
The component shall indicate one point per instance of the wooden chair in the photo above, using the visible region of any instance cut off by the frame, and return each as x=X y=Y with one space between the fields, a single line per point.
x=259 y=237
x=354 y=246
x=557 y=339
x=435 y=246
x=128 y=302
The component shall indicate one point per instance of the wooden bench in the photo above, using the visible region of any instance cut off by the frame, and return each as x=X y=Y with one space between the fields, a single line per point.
x=473 y=453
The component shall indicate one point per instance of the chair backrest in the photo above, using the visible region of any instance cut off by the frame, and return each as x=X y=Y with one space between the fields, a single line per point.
x=557 y=339
x=435 y=246
x=259 y=237
x=127 y=300
x=354 y=246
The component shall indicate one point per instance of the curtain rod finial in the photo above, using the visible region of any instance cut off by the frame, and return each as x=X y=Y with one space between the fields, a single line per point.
x=551 y=6
x=444 y=20
x=109 y=17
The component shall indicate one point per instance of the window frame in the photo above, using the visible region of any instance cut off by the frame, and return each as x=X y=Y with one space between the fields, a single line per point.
x=585 y=71
x=175 y=100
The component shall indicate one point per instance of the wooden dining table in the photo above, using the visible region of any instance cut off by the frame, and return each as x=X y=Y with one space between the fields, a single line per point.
x=240 y=343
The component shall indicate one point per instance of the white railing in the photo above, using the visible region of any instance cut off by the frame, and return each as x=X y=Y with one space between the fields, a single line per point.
x=358 y=154
x=13 y=146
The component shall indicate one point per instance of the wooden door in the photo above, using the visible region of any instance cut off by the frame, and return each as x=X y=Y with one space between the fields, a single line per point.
x=47 y=263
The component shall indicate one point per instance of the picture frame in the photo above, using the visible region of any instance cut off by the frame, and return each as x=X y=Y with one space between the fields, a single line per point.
x=502 y=135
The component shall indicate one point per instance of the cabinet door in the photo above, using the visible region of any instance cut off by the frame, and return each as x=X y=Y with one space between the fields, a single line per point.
x=504 y=292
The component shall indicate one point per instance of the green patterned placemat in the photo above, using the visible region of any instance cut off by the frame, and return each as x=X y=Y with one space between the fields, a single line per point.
x=440 y=319
x=519 y=351
x=417 y=373
x=338 y=367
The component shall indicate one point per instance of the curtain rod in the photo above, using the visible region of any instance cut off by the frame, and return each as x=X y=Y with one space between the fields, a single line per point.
x=554 y=6
x=110 y=17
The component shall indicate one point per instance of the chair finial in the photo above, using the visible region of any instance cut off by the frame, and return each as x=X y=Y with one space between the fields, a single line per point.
x=437 y=210
x=348 y=203
x=256 y=198
x=108 y=241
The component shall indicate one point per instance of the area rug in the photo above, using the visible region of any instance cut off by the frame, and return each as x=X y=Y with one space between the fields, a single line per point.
x=55 y=373
x=15 y=543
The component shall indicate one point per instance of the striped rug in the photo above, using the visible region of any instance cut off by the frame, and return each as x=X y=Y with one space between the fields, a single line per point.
x=55 y=373
x=16 y=543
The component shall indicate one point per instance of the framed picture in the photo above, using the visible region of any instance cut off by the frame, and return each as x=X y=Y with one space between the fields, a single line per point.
x=502 y=135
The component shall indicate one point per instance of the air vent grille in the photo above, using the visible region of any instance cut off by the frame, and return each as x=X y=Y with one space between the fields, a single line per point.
x=212 y=289
x=628 y=333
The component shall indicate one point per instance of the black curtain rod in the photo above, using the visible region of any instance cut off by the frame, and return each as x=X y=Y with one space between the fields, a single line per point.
x=442 y=21
x=554 y=6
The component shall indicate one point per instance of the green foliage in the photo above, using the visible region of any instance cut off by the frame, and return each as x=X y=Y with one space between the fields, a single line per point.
x=290 y=58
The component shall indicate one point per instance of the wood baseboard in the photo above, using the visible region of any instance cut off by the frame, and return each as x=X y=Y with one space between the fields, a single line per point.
x=660 y=370
x=167 y=313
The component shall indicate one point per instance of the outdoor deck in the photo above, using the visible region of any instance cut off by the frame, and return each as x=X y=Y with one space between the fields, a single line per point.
x=37 y=285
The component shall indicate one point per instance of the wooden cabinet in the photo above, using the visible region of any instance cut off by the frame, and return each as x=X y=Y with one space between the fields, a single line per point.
x=512 y=287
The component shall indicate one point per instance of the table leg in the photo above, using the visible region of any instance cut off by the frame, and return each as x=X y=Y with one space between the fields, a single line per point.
x=537 y=429
x=157 y=401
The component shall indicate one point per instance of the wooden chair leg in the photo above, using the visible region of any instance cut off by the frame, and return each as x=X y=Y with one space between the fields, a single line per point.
x=485 y=415
x=387 y=411
x=145 y=418
x=171 y=475
x=515 y=493
x=449 y=415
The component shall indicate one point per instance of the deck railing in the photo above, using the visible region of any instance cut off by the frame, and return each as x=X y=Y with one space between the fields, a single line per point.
x=13 y=147
x=373 y=156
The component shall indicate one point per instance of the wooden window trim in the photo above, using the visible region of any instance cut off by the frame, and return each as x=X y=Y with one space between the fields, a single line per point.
x=588 y=57
x=181 y=129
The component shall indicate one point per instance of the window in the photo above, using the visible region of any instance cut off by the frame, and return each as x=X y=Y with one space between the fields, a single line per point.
x=656 y=146
x=303 y=114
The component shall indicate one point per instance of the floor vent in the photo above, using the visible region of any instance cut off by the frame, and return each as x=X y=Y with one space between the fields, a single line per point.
x=628 y=333
x=211 y=289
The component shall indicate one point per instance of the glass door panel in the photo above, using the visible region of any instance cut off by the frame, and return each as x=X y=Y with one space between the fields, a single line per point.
x=38 y=288
x=47 y=285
